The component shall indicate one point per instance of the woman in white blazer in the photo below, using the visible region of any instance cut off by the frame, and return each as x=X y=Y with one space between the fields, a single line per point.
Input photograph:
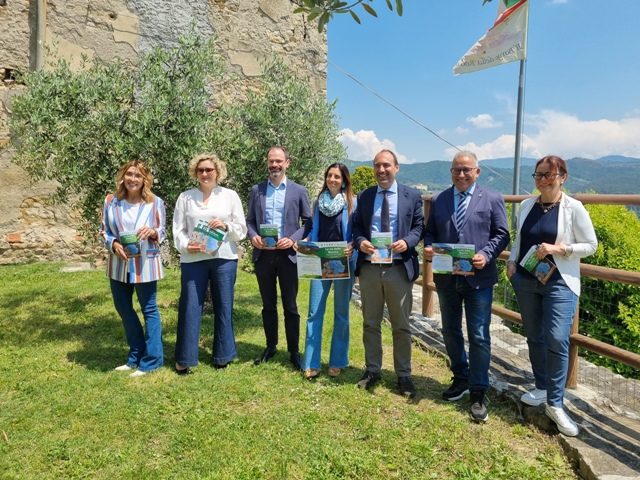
x=559 y=230
x=133 y=226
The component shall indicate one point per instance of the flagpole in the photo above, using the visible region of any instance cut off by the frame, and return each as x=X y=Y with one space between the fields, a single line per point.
x=518 y=150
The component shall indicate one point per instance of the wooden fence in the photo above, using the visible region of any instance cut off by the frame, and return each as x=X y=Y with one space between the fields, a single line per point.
x=602 y=273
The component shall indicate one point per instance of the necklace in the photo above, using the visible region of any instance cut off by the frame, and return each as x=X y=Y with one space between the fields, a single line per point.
x=546 y=207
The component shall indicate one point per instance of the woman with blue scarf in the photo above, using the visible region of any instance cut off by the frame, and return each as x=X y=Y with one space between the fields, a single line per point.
x=331 y=222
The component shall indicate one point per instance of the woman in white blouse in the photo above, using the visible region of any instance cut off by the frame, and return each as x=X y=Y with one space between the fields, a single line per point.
x=207 y=224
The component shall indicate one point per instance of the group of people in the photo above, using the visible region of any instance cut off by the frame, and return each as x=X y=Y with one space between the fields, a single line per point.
x=554 y=225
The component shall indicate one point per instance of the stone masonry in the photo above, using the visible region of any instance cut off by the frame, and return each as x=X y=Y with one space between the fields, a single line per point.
x=247 y=31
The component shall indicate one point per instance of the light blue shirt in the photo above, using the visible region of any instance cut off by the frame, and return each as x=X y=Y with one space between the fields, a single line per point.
x=376 y=221
x=274 y=213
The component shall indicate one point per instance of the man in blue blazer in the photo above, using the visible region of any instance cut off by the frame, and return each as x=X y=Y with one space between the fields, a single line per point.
x=467 y=213
x=389 y=283
x=284 y=204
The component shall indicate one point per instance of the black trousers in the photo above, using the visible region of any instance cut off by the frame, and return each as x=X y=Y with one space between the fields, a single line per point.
x=274 y=267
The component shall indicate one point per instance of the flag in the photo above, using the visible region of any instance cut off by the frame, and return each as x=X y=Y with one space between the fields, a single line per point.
x=505 y=42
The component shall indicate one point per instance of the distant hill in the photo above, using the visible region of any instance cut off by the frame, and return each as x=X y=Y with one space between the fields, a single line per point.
x=612 y=174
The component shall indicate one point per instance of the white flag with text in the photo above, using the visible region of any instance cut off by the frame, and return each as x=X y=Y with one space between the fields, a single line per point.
x=505 y=42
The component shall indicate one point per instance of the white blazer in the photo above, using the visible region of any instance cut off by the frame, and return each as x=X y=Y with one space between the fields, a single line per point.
x=574 y=228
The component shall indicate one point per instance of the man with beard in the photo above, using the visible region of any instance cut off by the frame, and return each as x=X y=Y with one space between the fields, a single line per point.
x=278 y=211
x=393 y=210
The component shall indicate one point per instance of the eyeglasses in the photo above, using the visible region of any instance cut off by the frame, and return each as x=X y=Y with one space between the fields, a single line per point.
x=205 y=170
x=546 y=176
x=458 y=171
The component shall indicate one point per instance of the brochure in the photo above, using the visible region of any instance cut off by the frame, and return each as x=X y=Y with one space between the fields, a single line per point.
x=453 y=258
x=322 y=260
x=205 y=238
x=269 y=235
x=131 y=243
x=382 y=242
x=539 y=268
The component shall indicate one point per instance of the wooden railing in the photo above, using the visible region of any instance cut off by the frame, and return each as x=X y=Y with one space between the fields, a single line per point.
x=577 y=340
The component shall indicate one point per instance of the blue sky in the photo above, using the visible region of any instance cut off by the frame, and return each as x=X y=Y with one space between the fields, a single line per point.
x=582 y=83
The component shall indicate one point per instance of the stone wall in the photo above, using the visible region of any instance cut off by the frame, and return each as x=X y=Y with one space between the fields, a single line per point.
x=246 y=30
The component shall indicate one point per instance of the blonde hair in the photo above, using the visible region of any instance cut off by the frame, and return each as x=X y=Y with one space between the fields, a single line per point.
x=147 y=181
x=219 y=165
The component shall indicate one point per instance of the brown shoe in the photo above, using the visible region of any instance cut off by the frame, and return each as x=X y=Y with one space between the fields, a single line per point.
x=310 y=373
x=334 y=371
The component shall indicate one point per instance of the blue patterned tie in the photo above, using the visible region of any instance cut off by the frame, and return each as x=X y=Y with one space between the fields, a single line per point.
x=462 y=209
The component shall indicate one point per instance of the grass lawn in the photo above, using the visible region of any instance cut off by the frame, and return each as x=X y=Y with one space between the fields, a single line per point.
x=65 y=413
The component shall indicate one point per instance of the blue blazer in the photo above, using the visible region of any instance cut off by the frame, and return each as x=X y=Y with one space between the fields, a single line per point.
x=410 y=224
x=296 y=213
x=485 y=226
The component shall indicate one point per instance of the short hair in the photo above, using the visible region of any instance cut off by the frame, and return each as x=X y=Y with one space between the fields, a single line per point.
x=284 y=150
x=466 y=153
x=219 y=165
x=147 y=180
x=556 y=162
x=385 y=150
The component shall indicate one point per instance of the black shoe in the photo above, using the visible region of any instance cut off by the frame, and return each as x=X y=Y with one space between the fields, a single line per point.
x=478 y=409
x=183 y=371
x=405 y=385
x=220 y=366
x=458 y=388
x=266 y=355
x=294 y=358
x=369 y=379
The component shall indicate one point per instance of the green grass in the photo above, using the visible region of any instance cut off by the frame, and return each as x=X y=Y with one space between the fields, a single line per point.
x=65 y=413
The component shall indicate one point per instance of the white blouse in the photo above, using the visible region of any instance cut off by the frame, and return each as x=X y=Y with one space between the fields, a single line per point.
x=223 y=204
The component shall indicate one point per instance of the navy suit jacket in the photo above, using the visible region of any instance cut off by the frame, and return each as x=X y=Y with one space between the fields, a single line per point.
x=410 y=223
x=485 y=226
x=296 y=213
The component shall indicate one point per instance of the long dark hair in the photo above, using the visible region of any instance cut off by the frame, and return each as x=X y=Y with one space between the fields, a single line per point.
x=347 y=190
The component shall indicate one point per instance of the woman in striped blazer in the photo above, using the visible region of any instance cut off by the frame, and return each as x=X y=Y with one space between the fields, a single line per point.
x=133 y=226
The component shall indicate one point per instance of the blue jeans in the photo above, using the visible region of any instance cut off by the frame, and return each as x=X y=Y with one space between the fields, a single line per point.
x=547 y=315
x=145 y=348
x=477 y=309
x=318 y=294
x=196 y=276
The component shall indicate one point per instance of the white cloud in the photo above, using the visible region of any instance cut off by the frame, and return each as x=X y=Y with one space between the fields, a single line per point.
x=558 y=133
x=364 y=145
x=460 y=130
x=484 y=120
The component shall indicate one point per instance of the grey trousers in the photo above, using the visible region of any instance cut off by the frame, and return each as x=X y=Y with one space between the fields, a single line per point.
x=390 y=285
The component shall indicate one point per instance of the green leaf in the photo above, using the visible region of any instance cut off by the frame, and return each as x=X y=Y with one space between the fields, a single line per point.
x=312 y=16
x=399 y=7
x=369 y=10
x=389 y=5
x=354 y=16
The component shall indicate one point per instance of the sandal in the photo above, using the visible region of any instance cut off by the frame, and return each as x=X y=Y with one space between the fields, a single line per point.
x=334 y=371
x=310 y=373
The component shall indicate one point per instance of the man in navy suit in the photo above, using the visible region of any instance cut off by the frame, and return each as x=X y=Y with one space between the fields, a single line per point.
x=284 y=204
x=467 y=213
x=389 y=283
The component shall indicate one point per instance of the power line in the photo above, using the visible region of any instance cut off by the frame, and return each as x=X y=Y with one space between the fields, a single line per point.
x=510 y=181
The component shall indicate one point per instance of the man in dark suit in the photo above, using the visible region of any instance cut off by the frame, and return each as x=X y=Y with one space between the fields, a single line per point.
x=397 y=209
x=283 y=204
x=467 y=213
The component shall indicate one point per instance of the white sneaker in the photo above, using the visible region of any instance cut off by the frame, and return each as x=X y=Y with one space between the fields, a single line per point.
x=122 y=368
x=138 y=373
x=565 y=425
x=534 y=397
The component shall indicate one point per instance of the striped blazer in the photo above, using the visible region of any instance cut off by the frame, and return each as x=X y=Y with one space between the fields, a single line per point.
x=148 y=266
